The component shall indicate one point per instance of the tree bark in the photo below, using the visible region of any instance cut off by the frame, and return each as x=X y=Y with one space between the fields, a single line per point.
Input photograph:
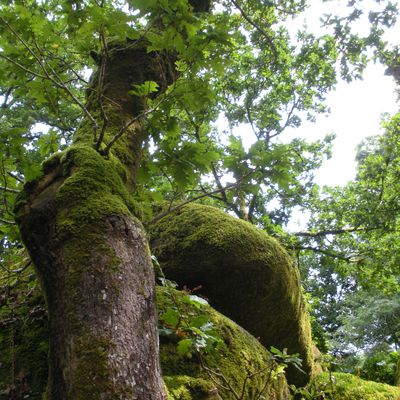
x=89 y=249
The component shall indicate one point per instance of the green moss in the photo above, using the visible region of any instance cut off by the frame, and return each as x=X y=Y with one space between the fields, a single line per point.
x=245 y=274
x=126 y=151
x=92 y=190
x=187 y=388
x=241 y=358
x=90 y=373
x=239 y=355
x=350 y=387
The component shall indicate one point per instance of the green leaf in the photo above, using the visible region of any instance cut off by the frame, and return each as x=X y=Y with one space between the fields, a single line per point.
x=185 y=347
x=144 y=89
x=171 y=317
x=194 y=300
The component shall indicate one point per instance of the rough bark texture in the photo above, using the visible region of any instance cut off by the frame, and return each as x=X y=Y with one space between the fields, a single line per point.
x=78 y=223
x=98 y=281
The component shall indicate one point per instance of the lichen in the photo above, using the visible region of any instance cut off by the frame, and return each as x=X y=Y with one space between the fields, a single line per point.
x=244 y=273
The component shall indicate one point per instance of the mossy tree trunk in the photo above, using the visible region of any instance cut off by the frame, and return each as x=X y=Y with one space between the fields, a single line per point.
x=89 y=249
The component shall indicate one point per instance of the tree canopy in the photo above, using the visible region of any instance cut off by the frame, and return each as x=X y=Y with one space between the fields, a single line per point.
x=205 y=72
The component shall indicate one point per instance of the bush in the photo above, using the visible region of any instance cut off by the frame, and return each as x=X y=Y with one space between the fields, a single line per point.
x=381 y=366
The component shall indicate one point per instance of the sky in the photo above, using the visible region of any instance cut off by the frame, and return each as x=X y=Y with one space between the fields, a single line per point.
x=356 y=107
x=356 y=111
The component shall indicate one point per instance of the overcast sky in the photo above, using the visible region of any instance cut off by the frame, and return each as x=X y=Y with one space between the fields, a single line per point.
x=356 y=110
x=357 y=107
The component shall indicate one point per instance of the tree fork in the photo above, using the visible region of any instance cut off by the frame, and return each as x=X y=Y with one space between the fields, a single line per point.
x=90 y=252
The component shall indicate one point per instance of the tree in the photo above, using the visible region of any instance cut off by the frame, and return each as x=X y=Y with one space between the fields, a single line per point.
x=355 y=233
x=139 y=132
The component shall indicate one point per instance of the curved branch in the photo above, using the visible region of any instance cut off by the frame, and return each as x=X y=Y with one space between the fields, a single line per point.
x=335 y=231
x=322 y=251
x=170 y=210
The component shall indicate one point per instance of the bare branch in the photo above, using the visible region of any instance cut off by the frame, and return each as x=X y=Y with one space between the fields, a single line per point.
x=57 y=81
x=16 y=177
x=230 y=205
x=128 y=125
x=170 y=210
x=7 y=222
x=323 y=251
x=100 y=94
x=211 y=373
x=331 y=232
x=6 y=189
x=29 y=71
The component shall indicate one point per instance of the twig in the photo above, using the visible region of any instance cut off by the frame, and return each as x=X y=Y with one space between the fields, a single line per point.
x=18 y=270
x=268 y=380
x=128 y=124
x=16 y=177
x=60 y=84
x=6 y=222
x=322 y=251
x=331 y=232
x=102 y=72
x=6 y=95
x=29 y=71
x=6 y=189
x=258 y=27
x=57 y=82
x=170 y=210
x=232 y=206
x=222 y=377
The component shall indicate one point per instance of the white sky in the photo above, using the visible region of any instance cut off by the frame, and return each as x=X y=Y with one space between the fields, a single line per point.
x=356 y=107
x=356 y=110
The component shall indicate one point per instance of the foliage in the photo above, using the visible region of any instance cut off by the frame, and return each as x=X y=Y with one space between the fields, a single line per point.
x=380 y=365
x=194 y=330
x=238 y=66
x=23 y=338
x=350 y=265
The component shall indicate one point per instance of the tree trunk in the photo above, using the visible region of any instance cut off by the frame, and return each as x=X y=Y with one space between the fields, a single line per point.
x=89 y=249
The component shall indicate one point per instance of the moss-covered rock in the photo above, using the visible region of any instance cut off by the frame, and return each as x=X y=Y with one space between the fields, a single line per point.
x=245 y=274
x=240 y=358
x=240 y=364
x=349 y=387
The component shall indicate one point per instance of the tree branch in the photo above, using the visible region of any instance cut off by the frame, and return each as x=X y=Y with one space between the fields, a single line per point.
x=256 y=26
x=57 y=81
x=7 y=222
x=331 y=232
x=170 y=210
x=6 y=189
x=127 y=125
x=322 y=251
